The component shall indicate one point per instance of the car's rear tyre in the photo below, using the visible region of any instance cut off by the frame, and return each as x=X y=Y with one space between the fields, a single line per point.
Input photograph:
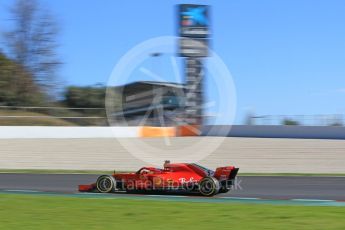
x=209 y=186
x=105 y=184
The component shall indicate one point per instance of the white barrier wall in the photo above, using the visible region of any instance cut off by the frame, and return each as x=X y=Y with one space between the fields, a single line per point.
x=259 y=131
x=13 y=132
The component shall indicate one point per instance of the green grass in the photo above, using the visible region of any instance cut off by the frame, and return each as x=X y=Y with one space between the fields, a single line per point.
x=47 y=212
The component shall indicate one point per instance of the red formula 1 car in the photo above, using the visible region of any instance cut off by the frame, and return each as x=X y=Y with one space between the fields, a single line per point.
x=185 y=177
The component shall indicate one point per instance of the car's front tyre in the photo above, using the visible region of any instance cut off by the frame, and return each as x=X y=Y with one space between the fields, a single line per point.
x=105 y=184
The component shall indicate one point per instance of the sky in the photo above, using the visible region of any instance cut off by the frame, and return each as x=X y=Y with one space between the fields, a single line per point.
x=286 y=57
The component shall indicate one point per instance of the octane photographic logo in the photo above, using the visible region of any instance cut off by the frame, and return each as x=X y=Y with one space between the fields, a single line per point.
x=181 y=185
x=187 y=149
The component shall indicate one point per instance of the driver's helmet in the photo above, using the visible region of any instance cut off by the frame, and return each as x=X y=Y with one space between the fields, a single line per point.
x=166 y=164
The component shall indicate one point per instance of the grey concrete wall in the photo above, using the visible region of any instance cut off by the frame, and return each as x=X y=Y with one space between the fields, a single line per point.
x=250 y=154
x=270 y=131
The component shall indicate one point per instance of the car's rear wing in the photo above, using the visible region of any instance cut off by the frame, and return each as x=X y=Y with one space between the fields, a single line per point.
x=233 y=173
x=226 y=173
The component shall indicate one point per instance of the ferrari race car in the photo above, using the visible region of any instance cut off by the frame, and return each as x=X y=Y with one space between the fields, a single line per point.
x=185 y=177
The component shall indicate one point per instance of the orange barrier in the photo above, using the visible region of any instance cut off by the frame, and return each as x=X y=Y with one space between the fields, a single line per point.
x=188 y=130
x=150 y=131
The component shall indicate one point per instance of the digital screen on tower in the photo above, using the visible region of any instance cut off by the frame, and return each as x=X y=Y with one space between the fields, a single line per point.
x=193 y=20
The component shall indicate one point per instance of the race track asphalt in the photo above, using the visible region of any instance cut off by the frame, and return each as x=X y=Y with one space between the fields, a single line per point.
x=261 y=187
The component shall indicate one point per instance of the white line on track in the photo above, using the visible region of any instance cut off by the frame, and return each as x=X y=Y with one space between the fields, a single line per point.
x=240 y=198
x=164 y=196
x=313 y=200
x=137 y=195
x=93 y=193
